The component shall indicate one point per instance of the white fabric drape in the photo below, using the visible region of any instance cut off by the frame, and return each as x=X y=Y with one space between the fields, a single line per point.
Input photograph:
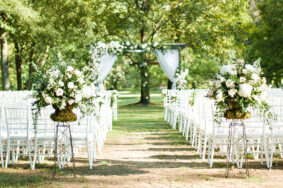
x=107 y=62
x=168 y=60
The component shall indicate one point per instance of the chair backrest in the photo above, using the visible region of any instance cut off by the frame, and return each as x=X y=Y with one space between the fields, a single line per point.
x=18 y=120
x=44 y=123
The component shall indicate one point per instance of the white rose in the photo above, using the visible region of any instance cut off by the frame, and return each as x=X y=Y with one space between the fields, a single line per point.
x=86 y=92
x=210 y=93
x=229 y=83
x=78 y=98
x=62 y=106
x=242 y=79
x=244 y=71
x=48 y=100
x=240 y=61
x=217 y=84
x=60 y=83
x=77 y=73
x=71 y=85
x=245 y=90
x=70 y=102
x=59 y=92
x=232 y=92
x=70 y=68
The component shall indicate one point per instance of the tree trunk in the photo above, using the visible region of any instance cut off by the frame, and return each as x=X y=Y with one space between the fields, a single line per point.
x=145 y=89
x=169 y=84
x=4 y=62
x=30 y=70
x=18 y=61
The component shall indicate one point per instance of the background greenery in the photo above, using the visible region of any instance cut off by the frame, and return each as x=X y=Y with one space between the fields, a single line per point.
x=214 y=32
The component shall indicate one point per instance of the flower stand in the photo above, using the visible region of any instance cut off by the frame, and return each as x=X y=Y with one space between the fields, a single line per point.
x=63 y=146
x=234 y=141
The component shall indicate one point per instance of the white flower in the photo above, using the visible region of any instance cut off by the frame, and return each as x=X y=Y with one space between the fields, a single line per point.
x=70 y=68
x=240 y=61
x=262 y=88
x=60 y=83
x=155 y=44
x=242 y=79
x=245 y=90
x=221 y=78
x=217 y=84
x=48 y=100
x=81 y=80
x=70 y=102
x=128 y=43
x=255 y=77
x=69 y=75
x=71 y=85
x=62 y=106
x=86 y=92
x=59 y=92
x=244 y=71
x=229 y=83
x=78 y=98
x=228 y=69
x=219 y=96
x=77 y=73
x=210 y=93
x=51 y=81
x=144 y=46
x=250 y=68
x=264 y=80
x=232 y=92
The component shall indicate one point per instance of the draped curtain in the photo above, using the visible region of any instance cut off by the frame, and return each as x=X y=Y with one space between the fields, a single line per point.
x=169 y=60
x=107 y=62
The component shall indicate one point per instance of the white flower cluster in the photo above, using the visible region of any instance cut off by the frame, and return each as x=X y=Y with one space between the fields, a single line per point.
x=64 y=85
x=239 y=81
x=181 y=79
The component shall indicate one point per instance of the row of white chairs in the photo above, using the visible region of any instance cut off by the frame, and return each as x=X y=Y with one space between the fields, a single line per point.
x=193 y=114
x=19 y=137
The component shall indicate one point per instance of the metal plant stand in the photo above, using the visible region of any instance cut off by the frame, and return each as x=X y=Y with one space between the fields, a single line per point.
x=63 y=145
x=233 y=141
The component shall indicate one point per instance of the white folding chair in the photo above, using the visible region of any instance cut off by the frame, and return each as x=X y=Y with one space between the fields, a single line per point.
x=19 y=133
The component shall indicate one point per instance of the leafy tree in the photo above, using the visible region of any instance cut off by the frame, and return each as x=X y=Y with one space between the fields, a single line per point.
x=268 y=39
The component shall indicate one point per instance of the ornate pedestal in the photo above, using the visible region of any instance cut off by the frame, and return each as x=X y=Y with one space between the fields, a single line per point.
x=234 y=140
x=63 y=146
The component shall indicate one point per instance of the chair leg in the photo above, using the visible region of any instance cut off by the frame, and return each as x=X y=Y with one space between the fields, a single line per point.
x=7 y=153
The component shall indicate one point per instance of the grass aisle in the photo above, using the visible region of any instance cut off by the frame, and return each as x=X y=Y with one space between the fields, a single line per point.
x=143 y=151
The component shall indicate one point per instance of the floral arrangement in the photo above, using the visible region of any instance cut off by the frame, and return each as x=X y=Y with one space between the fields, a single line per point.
x=181 y=79
x=121 y=47
x=64 y=87
x=240 y=86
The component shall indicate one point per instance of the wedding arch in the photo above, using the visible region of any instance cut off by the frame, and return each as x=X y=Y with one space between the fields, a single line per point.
x=105 y=55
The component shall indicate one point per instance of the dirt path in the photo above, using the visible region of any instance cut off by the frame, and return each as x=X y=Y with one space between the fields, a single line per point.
x=143 y=151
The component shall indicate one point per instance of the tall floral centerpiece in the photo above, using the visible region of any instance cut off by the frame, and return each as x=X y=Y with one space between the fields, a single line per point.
x=64 y=87
x=237 y=88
